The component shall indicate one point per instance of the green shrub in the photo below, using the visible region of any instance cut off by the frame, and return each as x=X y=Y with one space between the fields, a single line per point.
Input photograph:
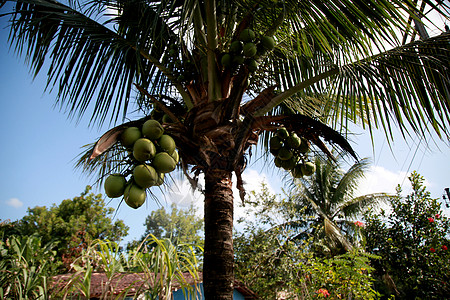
x=413 y=243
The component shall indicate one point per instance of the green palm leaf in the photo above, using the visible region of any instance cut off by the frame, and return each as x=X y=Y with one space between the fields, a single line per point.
x=88 y=60
x=409 y=84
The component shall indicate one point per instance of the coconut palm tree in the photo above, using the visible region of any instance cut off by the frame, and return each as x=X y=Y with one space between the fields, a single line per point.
x=310 y=63
x=328 y=199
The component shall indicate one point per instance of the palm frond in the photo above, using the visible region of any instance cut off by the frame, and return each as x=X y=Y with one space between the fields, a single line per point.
x=408 y=85
x=333 y=232
x=115 y=160
x=311 y=129
x=359 y=204
x=94 y=66
x=349 y=180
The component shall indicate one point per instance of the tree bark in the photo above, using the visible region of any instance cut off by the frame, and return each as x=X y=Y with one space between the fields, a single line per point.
x=218 y=273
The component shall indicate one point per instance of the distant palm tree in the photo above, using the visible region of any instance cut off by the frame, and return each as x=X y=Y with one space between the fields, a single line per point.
x=329 y=198
x=327 y=64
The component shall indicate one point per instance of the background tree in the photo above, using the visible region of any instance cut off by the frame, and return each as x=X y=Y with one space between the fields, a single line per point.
x=271 y=263
x=72 y=224
x=328 y=199
x=181 y=226
x=318 y=68
x=412 y=240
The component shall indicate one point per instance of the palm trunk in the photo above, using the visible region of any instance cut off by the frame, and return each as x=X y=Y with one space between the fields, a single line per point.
x=218 y=265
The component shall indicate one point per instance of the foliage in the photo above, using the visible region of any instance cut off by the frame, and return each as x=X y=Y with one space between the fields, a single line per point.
x=413 y=241
x=26 y=265
x=71 y=225
x=269 y=261
x=158 y=266
x=181 y=226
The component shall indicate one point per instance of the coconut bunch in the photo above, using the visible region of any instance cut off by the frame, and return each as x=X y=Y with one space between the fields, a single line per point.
x=181 y=70
x=160 y=116
x=152 y=154
x=290 y=152
x=246 y=50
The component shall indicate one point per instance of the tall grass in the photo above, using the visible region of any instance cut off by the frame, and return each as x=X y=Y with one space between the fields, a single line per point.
x=159 y=263
x=24 y=268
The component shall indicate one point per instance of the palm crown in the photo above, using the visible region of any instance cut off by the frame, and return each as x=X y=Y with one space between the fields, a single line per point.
x=328 y=64
x=329 y=196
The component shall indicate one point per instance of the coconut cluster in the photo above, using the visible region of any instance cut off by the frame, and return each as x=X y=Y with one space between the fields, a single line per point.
x=247 y=49
x=290 y=153
x=181 y=70
x=152 y=155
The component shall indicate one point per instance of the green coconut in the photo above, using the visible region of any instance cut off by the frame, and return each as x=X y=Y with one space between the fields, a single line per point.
x=261 y=50
x=152 y=129
x=238 y=60
x=160 y=179
x=267 y=42
x=164 y=163
x=166 y=119
x=252 y=65
x=129 y=136
x=143 y=149
x=285 y=153
x=304 y=145
x=236 y=47
x=275 y=143
x=173 y=52
x=226 y=60
x=293 y=141
x=282 y=133
x=308 y=168
x=145 y=175
x=247 y=35
x=167 y=144
x=297 y=171
x=250 y=49
x=181 y=78
x=175 y=156
x=277 y=162
x=274 y=152
x=134 y=196
x=115 y=185
x=156 y=114
x=288 y=164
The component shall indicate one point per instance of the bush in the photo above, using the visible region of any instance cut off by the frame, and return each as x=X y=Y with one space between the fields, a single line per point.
x=413 y=243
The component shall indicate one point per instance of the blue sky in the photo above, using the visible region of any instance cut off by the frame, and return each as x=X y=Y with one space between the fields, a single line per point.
x=39 y=146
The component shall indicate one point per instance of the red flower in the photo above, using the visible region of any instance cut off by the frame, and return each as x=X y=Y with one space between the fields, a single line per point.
x=359 y=224
x=430 y=219
x=324 y=292
x=432 y=249
x=444 y=247
x=438 y=216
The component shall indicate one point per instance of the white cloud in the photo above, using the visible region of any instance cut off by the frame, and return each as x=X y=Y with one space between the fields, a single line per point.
x=252 y=182
x=180 y=191
x=381 y=180
x=14 y=202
